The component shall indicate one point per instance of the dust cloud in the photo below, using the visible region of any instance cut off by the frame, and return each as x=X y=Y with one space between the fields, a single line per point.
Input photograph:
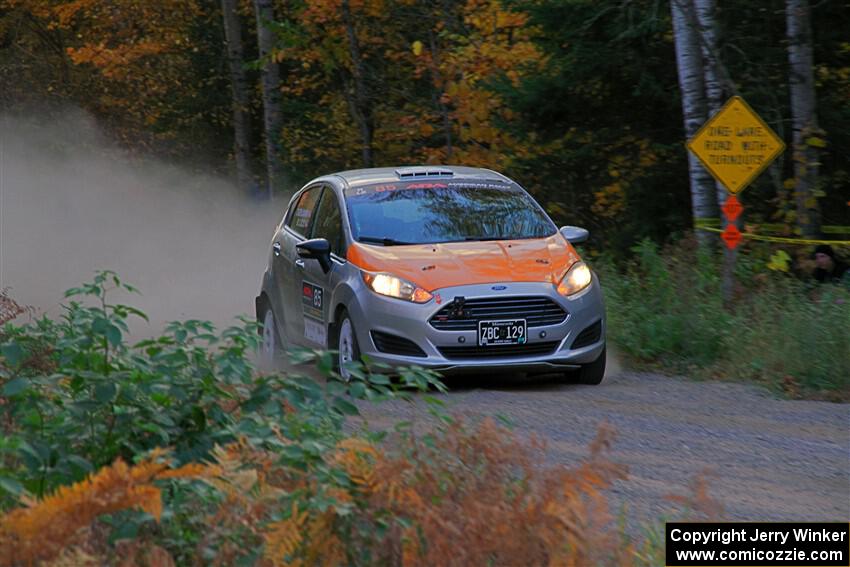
x=71 y=204
x=613 y=361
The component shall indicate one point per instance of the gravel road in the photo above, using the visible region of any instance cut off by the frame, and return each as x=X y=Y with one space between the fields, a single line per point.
x=767 y=458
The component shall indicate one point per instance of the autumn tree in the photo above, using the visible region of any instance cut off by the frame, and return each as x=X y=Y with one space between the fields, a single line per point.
x=272 y=122
x=145 y=68
x=600 y=133
x=239 y=87
x=357 y=93
x=577 y=100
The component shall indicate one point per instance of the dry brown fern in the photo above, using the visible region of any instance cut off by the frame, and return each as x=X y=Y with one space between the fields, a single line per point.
x=489 y=490
x=9 y=308
x=43 y=529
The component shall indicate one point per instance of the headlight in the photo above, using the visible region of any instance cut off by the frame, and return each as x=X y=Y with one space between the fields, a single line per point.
x=577 y=278
x=391 y=286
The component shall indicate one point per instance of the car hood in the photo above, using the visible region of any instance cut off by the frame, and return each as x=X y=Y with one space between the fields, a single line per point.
x=437 y=266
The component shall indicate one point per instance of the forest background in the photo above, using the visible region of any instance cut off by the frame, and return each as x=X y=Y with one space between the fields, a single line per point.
x=586 y=103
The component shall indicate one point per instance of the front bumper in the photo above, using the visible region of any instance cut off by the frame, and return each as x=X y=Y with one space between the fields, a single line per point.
x=549 y=347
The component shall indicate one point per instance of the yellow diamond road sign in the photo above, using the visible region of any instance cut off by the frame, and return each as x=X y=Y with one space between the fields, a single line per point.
x=735 y=145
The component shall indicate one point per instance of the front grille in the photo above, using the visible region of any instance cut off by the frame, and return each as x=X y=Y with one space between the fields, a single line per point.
x=537 y=311
x=392 y=344
x=496 y=351
x=589 y=335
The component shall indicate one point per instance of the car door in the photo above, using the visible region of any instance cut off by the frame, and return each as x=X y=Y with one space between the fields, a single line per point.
x=317 y=285
x=288 y=266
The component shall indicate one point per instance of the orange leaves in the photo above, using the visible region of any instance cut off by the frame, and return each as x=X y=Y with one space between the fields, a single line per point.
x=356 y=457
x=498 y=45
x=65 y=12
x=131 y=62
x=284 y=538
x=113 y=63
x=429 y=73
x=43 y=528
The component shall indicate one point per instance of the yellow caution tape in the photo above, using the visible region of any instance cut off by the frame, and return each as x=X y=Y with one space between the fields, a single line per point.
x=706 y=222
x=780 y=238
x=773 y=227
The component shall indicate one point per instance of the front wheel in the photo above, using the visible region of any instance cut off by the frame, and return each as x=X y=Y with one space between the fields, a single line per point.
x=593 y=373
x=348 y=350
x=270 y=345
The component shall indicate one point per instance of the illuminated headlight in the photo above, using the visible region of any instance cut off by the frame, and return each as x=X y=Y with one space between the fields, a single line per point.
x=576 y=279
x=391 y=286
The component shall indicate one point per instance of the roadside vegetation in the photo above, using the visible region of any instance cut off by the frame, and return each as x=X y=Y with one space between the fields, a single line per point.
x=177 y=450
x=665 y=312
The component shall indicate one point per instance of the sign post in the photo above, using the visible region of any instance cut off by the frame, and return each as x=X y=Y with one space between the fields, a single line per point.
x=735 y=146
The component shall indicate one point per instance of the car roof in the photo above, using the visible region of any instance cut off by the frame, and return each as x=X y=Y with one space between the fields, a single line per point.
x=359 y=177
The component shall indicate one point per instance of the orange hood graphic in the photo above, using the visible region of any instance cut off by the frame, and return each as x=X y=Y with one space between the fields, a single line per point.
x=437 y=266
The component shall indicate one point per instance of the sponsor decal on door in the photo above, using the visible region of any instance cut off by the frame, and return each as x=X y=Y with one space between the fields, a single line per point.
x=312 y=301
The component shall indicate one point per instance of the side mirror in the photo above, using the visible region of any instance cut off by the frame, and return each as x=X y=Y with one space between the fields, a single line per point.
x=575 y=234
x=316 y=249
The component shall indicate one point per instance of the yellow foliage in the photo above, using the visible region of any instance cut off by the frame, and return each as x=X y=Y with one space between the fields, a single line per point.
x=283 y=539
x=41 y=529
x=779 y=261
x=66 y=12
x=610 y=201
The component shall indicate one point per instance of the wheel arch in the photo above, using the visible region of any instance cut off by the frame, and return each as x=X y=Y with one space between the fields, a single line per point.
x=343 y=298
x=260 y=303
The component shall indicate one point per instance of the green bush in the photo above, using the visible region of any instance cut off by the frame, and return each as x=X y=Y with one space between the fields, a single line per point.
x=77 y=396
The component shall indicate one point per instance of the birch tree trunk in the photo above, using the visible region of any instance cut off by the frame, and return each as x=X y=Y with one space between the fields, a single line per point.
x=271 y=95
x=705 y=16
x=239 y=91
x=691 y=73
x=359 y=101
x=714 y=95
x=803 y=117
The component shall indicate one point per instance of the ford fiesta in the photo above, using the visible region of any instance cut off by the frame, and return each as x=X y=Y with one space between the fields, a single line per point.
x=450 y=268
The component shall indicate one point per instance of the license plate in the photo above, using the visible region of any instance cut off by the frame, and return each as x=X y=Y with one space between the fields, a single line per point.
x=511 y=332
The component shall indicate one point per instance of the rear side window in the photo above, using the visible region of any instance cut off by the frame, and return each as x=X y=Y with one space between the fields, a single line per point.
x=304 y=211
x=328 y=223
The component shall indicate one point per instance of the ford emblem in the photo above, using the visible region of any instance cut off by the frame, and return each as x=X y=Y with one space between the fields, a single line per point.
x=499 y=287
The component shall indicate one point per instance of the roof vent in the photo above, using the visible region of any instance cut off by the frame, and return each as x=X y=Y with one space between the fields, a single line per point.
x=420 y=172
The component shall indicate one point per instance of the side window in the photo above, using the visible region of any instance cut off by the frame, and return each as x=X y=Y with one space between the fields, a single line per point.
x=329 y=223
x=301 y=217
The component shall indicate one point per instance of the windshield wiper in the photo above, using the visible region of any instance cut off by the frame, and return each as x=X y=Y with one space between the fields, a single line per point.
x=386 y=241
x=485 y=238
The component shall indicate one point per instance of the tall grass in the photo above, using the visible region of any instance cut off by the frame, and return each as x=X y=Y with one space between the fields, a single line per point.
x=794 y=339
x=665 y=308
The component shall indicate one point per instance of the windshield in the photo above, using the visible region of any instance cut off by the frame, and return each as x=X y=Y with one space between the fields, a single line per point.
x=428 y=213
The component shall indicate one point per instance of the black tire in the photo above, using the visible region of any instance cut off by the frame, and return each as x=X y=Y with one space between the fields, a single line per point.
x=593 y=373
x=345 y=342
x=271 y=346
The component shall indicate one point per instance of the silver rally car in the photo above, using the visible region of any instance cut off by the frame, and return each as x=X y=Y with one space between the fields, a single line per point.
x=449 y=268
